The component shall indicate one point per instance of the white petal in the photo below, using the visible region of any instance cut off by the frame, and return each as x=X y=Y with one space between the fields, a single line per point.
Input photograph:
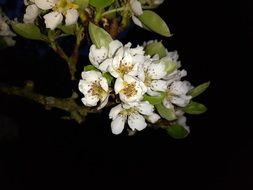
x=114 y=47
x=45 y=4
x=136 y=7
x=53 y=19
x=179 y=87
x=157 y=70
x=136 y=121
x=145 y=108
x=71 y=16
x=115 y=111
x=118 y=124
x=167 y=104
x=152 y=93
x=105 y=64
x=31 y=13
x=153 y=118
x=91 y=76
x=103 y=103
x=97 y=55
x=119 y=85
x=103 y=83
x=181 y=101
x=141 y=74
x=159 y=85
x=130 y=79
x=137 y=51
x=90 y=100
x=137 y=21
x=182 y=121
x=84 y=86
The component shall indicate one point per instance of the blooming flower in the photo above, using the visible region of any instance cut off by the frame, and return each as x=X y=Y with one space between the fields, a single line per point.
x=118 y=59
x=130 y=89
x=59 y=9
x=176 y=94
x=95 y=88
x=134 y=115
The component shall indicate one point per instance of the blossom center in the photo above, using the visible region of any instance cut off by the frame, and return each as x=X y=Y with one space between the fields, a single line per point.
x=124 y=68
x=63 y=5
x=96 y=89
x=129 y=90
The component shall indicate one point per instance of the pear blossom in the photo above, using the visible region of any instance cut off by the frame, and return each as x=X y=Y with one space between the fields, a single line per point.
x=136 y=8
x=176 y=94
x=31 y=13
x=59 y=8
x=133 y=115
x=130 y=89
x=95 y=88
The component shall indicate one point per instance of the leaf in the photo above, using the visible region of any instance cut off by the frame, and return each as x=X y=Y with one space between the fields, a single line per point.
x=29 y=31
x=108 y=77
x=194 y=108
x=82 y=4
x=154 y=100
x=156 y=48
x=155 y=23
x=199 y=89
x=177 y=131
x=166 y=113
x=99 y=36
x=89 y=68
x=100 y=4
x=68 y=29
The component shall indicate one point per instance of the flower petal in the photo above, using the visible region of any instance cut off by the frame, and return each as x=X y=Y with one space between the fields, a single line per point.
x=31 y=13
x=45 y=4
x=179 y=87
x=181 y=101
x=103 y=103
x=91 y=76
x=114 y=47
x=115 y=111
x=89 y=100
x=137 y=21
x=53 y=19
x=119 y=85
x=97 y=55
x=157 y=70
x=159 y=85
x=71 y=16
x=167 y=104
x=145 y=108
x=136 y=121
x=105 y=64
x=153 y=118
x=117 y=125
x=136 y=7
x=103 y=83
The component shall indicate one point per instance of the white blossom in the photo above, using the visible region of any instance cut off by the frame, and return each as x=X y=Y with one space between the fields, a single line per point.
x=59 y=8
x=95 y=88
x=176 y=94
x=133 y=115
x=136 y=11
x=130 y=89
x=31 y=13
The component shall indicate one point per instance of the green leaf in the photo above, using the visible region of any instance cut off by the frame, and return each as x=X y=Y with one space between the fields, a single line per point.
x=82 y=4
x=166 y=113
x=194 y=108
x=108 y=77
x=29 y=31
x=100 y=4
x=154 y=22
x=156 y=48
x=99 y=36
x=177 y=131
x=89 y=68
x=154 y=100
x=199 y=89
x=68 y=29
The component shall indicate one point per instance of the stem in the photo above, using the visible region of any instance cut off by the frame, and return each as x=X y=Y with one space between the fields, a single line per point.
x=115 y=10
x=77 y=112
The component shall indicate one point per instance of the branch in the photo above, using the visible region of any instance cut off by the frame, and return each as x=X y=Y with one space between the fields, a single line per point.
x=77 y=112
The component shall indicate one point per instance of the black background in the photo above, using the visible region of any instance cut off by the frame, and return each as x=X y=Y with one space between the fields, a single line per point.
x=40 y=150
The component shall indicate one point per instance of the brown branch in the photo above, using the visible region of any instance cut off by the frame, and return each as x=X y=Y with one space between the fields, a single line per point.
x=77 y=112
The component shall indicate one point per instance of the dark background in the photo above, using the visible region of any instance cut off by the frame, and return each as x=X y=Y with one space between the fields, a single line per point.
x=38 y=149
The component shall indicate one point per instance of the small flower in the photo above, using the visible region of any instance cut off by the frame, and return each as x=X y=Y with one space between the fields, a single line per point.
x=130 y=89
x=31 y=13
x=176 y=94
x=95 y=88
x=151 y=74
x=59 y=8
x=136 y=8
x=134 y=115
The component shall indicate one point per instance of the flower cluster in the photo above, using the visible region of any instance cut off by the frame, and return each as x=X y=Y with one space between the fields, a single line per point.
x=142 y=84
